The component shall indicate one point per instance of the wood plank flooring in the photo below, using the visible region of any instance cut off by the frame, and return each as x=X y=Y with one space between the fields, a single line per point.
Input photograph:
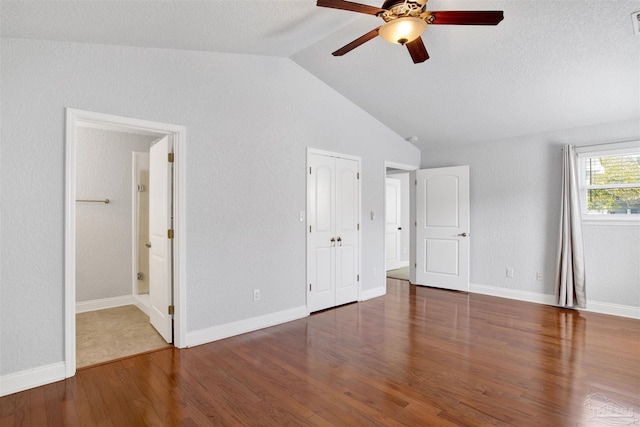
x=418 y=356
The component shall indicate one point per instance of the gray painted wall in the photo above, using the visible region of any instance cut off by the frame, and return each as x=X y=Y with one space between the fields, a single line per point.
x=249 y=121
x=515 y=215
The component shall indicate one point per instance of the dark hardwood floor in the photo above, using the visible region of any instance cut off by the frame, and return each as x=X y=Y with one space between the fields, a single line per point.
x=418 y=356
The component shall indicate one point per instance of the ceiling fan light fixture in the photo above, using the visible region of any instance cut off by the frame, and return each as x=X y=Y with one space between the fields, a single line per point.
x=403 y=30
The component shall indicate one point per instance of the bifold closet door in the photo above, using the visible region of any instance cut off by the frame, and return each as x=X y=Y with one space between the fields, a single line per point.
x=332 y=233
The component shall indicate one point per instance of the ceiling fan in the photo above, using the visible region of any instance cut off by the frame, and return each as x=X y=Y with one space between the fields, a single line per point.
x=406 y=20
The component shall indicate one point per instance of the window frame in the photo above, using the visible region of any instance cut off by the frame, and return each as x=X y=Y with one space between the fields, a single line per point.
x=602 y=150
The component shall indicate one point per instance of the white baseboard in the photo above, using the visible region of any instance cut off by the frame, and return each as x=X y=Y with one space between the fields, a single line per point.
x=216 y=333
x=142 y=302
x=397 y=265
x=24 y=380
x=613 y=309
x=512 y=294
x=373 y=293
x=592 y=306
x=101 y=304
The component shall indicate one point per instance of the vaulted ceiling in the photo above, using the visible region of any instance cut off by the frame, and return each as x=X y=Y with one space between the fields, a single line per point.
x=549 y=65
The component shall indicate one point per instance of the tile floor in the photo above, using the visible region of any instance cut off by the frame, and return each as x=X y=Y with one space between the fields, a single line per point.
x=113 y=333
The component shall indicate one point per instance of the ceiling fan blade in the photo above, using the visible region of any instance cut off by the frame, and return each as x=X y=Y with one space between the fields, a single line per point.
x=484 y=17
x=347 y=5
x=417 y=50
x=357 y=42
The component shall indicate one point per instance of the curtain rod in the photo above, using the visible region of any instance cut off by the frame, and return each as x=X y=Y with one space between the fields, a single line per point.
x=603 y=143
x=608 y=143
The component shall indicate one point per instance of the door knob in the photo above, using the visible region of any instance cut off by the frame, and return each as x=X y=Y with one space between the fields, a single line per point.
x=148 y=244
x=340 y=241
x=462 y=234
x=333 y=241
x=399 y=228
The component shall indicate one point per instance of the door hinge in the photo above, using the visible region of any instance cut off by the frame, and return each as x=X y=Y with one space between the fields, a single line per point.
x=309 y=229
x=309 y=287
x=416 y=182
x=170 y=157
x=358 y=277
x=170 y=233
x=358 y=227
x=309 y=170
x=170 y=309
x=358 y=175
x=415 y=265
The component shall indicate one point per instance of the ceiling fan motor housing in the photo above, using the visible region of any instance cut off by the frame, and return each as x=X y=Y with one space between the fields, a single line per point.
x=394 y=9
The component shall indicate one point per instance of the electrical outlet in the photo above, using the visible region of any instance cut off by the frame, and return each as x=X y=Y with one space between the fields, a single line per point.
x=256 y=294
x=539 y=277
x=510 y=273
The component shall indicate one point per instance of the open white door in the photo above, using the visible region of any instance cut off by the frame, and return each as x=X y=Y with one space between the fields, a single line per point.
x=160 y=196
x=442 y=227
x=392 y=215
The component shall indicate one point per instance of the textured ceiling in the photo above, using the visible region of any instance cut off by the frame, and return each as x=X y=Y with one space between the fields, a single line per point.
x=550 y=65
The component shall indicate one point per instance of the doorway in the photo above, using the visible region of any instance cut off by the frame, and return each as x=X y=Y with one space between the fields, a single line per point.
x=78 y=121
x=399 y=216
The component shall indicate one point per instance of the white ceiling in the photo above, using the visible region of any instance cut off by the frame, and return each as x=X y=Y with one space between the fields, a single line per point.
x=550 y=65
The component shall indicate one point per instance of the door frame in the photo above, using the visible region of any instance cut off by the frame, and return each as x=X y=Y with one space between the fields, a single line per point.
x=306 y=223
x=79 y=118
x=412 y=215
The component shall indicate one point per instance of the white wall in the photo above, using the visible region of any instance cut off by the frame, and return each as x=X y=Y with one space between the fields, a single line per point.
x=515 y=203
x=104 y=231
x=249 y=120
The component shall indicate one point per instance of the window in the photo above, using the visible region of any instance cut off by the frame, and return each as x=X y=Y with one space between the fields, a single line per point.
x=610 y=182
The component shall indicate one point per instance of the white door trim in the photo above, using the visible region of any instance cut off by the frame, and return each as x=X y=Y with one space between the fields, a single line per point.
x=79 y=118
x=412 y=213
x=359 y=205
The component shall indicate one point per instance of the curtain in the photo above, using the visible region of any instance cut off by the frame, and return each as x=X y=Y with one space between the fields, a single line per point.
x=570 y=281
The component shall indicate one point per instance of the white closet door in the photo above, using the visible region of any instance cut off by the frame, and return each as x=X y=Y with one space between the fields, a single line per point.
x=320 y=232
x=332 y=231
x=347 y=215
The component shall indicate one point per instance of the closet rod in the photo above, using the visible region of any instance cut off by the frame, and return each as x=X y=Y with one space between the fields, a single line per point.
x=105 y=201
